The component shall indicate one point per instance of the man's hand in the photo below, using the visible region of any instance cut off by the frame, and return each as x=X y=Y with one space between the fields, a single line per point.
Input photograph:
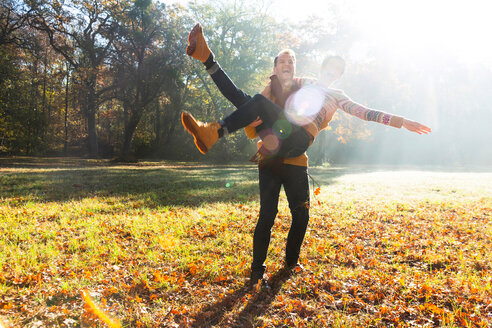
x=256 y=122
x=416 y=127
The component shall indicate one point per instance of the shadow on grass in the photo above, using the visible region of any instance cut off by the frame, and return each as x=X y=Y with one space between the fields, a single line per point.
x=258 y=304
x=153 y=184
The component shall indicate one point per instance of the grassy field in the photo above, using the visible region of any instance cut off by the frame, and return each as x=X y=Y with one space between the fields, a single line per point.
x=161 y=244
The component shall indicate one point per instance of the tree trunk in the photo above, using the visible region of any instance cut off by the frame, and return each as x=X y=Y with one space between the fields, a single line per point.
x=127 y=139
x=157 y=126
x=129 y=131
x=45 y=63
x=170 y=132
x=65 y=143
x=177 y=103
x=91 y=124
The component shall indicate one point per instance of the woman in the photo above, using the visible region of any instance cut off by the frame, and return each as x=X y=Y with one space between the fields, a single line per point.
x=289 y=132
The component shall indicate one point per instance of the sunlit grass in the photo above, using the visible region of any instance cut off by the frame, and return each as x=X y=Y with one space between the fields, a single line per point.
x=170 y=244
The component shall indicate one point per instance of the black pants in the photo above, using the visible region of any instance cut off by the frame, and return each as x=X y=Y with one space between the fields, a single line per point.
x=228 y=89
x=280 y=137
x=295 y=181
x=271 y=178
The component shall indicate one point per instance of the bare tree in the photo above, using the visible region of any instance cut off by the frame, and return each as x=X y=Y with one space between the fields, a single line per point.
x=147 y=63
x=13 y=18
x=83 y=33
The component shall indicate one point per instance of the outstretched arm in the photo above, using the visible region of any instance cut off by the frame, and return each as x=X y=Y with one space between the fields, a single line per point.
x=369 y=114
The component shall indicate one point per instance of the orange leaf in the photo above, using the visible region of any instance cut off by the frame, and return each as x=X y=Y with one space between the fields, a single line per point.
x=157 y=276
x=317 y=191
x=8 y=306
x=193 y=269
x=97 y=312
x=220 y=278
x=383 y=310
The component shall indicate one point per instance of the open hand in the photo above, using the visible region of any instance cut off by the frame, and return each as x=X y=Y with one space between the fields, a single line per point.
x=256 y=122
x=416 y=127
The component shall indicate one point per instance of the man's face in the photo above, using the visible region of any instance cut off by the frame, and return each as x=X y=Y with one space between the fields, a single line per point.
x=286 y=67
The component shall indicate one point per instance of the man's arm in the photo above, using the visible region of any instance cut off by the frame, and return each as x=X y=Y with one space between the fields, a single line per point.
x=251 y=129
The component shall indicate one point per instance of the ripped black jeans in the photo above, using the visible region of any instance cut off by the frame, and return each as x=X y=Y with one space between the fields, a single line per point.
x=296 y=186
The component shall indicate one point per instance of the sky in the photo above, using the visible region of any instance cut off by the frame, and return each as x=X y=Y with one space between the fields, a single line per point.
x=410 y=28
x=404 y=28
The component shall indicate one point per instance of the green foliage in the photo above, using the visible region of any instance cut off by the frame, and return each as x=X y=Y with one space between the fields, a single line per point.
x=129 y=80
x=23 y=118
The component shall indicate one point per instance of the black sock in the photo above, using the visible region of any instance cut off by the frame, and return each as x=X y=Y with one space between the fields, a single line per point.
x=223 y=129
x=210 y=61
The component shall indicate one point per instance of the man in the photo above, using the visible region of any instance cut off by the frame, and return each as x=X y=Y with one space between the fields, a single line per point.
x=289 y=172
x=306 y=122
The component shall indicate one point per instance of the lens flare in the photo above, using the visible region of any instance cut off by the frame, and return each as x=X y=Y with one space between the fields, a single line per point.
x=302 y=107
x=271 y=142
x=282 y=129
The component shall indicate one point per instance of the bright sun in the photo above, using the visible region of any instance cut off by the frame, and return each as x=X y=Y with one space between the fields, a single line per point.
x=458 y=27
x=409 y=28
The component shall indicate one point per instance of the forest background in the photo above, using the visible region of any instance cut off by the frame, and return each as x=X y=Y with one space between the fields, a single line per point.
x=110 y=78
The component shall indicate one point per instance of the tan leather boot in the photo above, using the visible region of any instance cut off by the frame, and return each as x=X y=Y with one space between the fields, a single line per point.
x=197 y=46
x=205 y=134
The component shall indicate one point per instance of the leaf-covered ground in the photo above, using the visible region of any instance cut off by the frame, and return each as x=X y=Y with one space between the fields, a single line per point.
x=162 y=244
